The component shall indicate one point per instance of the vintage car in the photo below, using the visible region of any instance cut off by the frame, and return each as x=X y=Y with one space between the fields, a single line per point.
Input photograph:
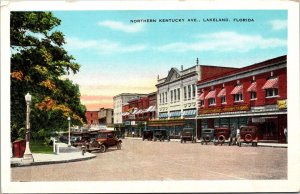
x=207 y=135
x=161 y=135
x=103 y=140
x=147 y=134
x=222 y=135
x=187 y=134
x=248 y=134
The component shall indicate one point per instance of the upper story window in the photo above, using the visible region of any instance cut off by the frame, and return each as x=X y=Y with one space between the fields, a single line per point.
x=201 y=103
x=237 y=93
x=271 y=87
x=238 y=97
x=166 y=95
x=171 y=96
x=194 y=90
x=175 y=95
x=252 y=95
x=185 y=94
x=211 y=96
x=223 y=99
x=189 y=91
x=160 y=99
x=272 y=92
x=211 y=101
x=163 y=98
x=178 y=91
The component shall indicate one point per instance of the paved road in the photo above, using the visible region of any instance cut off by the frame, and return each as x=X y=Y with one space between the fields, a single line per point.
x=147 y=160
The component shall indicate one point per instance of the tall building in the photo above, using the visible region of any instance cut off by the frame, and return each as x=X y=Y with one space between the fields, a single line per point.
x=253 y=95
x=105 y=117
x=177 y=96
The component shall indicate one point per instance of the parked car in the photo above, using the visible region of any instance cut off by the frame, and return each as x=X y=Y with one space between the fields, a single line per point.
x=222 y=135
x=187 y=134
x=207 y=135
x=147 y=134
x=103 y=141
x=248 y=134
x=161 y=135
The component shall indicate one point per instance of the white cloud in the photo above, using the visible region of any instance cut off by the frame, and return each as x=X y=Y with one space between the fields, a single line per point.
x=223 y=42
x=116 y=25
x=278 y=24
x=102 y=46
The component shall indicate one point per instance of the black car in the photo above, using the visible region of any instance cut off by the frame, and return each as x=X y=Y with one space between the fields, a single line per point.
x=161 y=135
x=187 y=134
x=147 y=134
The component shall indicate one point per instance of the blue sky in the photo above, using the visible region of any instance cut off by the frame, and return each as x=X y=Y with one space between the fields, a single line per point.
x=118 y=56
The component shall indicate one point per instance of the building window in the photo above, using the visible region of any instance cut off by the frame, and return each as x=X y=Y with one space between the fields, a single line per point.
x=174 y=95
x=201 y=102
x=211 y=101
x=159 y=98
x=163 y=98
x=223 y=99
x=194 y=90
x=171 y=96
x=272 y=92
x=178 y=90
x=238 y=97
x=189 y=91
x=184 y=90
x=252 y=95
x=166 y=97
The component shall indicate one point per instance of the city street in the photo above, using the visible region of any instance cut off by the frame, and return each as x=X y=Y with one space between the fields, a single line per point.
x=147 y=160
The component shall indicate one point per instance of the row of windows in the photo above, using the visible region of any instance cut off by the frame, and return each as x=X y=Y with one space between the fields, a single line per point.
x=271 y=92
x=189 y=92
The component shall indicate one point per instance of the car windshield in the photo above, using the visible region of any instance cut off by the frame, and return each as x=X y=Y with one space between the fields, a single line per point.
x=102 y=135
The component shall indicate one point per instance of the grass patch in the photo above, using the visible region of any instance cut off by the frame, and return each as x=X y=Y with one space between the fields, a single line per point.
x=40 y=147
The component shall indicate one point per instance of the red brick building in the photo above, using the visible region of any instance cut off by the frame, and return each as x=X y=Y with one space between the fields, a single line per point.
x=255 y=94
x=92 y=117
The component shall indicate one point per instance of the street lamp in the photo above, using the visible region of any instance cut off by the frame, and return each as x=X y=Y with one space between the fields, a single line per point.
x=27 y=157
x=69 y=119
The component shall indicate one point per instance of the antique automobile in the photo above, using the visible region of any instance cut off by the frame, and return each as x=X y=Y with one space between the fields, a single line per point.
x=222 y=135
x=103 y=140
x=187 y=134
x=248 y=134
x=147 y=134
x=207 y=135
x=161 y=135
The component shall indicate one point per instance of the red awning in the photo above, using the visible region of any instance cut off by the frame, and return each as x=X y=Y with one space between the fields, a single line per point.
x=201 y=97
x=271 y=83
x=237 y=90
x=211 y=94
x=222 y=93
x=252 y=87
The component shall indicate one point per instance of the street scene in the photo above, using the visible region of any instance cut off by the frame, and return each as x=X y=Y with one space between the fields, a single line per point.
x=131 y=95
x=148 y=160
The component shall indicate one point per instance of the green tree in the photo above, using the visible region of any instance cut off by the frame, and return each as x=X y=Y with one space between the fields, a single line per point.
x=39 y=65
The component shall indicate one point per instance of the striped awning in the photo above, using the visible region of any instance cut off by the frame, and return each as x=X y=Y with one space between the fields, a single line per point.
x=211 y=94
x=190 y=112
x=163 y=115
x=201 y=97
x=139 y=111
x=237 y=89
x=175 y=114
x=252 y=87
x=222 y=93
x=151 y=109
x=271 y=83
x=125 y=113
x=135 y=111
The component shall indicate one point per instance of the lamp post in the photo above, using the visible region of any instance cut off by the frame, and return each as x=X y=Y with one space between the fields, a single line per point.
x=69 y=119
x=27 y=157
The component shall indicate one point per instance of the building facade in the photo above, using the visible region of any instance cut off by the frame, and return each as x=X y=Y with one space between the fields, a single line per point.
x=177 y=97
x=92 y=117
x=253 y=95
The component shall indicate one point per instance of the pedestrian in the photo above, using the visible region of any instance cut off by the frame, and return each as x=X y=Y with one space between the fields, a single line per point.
x=238 y=134
x=132 y=133
x=285 y=133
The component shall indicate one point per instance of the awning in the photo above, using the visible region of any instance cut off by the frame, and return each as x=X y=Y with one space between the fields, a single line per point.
x=175 y=114
x=135 y=111
x=222 y=93
x=163 y=115
x=252 y=87
x=271 y=83
x=125 y=113
x=237 y=90
x=201 y=97
x=139 y=111
x=151 y=109
x=211 y=94
x=191 y=112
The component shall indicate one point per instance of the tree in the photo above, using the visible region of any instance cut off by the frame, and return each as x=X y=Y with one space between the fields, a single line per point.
x=38 y=66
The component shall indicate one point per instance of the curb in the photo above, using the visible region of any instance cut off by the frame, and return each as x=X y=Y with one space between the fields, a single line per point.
x=51 y=162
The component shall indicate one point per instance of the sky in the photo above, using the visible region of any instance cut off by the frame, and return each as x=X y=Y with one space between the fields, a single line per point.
x=118 y=54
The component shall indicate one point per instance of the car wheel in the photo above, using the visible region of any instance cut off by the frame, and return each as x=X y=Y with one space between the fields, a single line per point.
x=119 y=146
x=102 y=148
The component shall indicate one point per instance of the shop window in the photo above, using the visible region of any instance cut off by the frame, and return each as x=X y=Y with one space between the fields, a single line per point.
x=272 y=92
x=223 y=99
x=211 y=101
x=238 y=97
x=252 y=95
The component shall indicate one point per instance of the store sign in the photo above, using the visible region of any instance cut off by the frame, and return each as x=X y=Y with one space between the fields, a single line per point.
x=225 y=109
x=282 y=104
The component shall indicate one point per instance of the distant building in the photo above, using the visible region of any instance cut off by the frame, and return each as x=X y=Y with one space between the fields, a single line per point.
x=92 y=117
x=118 y=102
x=177 y=96
x=105 y=116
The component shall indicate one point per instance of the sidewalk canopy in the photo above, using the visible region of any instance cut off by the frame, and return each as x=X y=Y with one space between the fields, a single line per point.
x=237 y=90
x=252 y=87
x=175 y=114
x=271 y=83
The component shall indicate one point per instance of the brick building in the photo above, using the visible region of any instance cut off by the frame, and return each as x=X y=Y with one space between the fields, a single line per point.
x=92 y=117
x=256 y=95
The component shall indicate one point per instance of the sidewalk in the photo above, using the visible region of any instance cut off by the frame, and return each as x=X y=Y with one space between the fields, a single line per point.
x=67 y=154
